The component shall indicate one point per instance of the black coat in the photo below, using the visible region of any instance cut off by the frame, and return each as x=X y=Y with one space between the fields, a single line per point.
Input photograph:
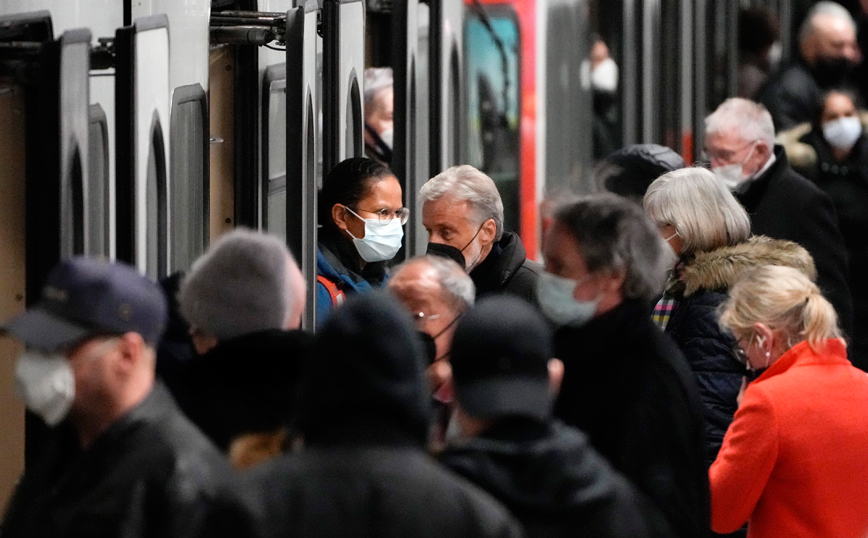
x=784 y=205
x=151 y=474
x=364 y=415
x=792 y=96
x=554 y=482
x=629 y=389
x=507 y=269
x=846 y=182
x=247 y=384
x=703 y=286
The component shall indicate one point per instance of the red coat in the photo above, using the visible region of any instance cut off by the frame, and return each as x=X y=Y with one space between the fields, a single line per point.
x=794 y=462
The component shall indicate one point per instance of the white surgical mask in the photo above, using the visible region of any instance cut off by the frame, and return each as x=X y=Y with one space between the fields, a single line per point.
x=555 y=296
x=604 y=77
x=670 y=254
x=842 y=133
x=382 y=240
x=731 y=174
x=46 y=384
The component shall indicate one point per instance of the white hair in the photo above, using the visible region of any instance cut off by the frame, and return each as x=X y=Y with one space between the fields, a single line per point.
x=457 y=286
x=749 y=119
x=828 y=9
x=376 y=79
x=239 y=286
x=705 y=214
x=467 y=184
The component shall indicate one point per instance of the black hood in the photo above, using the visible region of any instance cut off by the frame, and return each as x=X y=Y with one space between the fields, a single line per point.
x=364 y=378
x=533 y=468
x=245 y=384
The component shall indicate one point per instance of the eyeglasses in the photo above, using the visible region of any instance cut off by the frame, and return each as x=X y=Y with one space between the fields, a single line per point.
x=724 y=155
x=422 y=317
x=740 y=354
x=386 y=215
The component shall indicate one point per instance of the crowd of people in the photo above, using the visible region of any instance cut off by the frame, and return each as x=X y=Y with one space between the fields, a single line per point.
x=681 y=365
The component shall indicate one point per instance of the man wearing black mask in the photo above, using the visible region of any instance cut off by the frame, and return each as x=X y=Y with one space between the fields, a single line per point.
x=463 y=214
x=829 y=55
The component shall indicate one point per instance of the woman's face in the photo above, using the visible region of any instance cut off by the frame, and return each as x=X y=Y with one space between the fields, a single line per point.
x=838 y=106
x=383 y=194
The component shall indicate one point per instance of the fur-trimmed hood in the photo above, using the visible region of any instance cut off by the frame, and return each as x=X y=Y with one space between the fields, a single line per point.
x=720 y=269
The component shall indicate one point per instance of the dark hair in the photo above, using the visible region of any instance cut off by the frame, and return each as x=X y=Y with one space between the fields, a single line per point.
x=347 y=184
x=615 y=235
x=758 y=29
x=821 y=104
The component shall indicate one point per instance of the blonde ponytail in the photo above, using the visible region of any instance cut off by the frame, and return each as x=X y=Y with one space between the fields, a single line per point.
x=819 y=320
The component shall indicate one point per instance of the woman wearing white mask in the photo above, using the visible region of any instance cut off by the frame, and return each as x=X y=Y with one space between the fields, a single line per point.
x=361 y=218
x=841 y=169
x=793 y=462
x=708 y=233
x=625 y=384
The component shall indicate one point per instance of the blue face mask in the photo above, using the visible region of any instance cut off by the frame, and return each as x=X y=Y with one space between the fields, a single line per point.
x=382 y=240
x=555 y=296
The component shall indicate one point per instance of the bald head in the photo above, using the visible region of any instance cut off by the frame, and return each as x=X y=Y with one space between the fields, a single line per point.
x=829 y=33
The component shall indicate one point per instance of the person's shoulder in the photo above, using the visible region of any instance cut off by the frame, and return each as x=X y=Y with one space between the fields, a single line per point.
x=791 y=78
x=797 y=190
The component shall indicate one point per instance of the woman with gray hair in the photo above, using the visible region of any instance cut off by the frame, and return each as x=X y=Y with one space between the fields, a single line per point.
x=625 y=384
x=708 y=232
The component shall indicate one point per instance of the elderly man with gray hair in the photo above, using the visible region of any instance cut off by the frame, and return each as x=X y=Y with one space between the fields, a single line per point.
x=437 y=293
x=829 y=53
x=243 y=300
x=739 y=142
x=463 y=214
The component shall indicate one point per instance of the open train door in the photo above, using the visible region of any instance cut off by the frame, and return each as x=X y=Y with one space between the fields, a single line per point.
x=447 y=71
x=410 y=155
x=142 y=116
x=343 y=71
x=44 y=118
x=301 y=139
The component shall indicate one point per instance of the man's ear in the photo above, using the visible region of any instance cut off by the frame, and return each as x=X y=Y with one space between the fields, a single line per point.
x=488 y=232
x=340 y=216
x=556 y=376
x=131 y=348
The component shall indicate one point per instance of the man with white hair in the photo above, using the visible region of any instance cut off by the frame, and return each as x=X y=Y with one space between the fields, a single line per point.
x=437 y=293
x=463 y=214
x=739 y=141
x=379 y=112
x=829 y=54
x=240 y=298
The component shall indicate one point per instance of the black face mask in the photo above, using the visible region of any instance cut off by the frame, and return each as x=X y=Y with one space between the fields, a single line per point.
x=830 y=72
x=380 y=149
x=429 y=342
x=446 y=251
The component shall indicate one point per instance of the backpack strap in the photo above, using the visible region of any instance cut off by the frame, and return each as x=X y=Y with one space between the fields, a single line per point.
x=337 y=295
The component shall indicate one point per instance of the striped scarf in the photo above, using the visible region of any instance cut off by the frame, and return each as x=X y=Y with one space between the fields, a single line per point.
x=666 y=305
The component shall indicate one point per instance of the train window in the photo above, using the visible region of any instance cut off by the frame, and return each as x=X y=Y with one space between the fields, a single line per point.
x=492 y=47
x=98 y=197
x=274 y=143
x=189 y=179
x=155 y=204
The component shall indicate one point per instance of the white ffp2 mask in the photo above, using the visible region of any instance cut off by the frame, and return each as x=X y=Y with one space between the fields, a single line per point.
x=46 y=384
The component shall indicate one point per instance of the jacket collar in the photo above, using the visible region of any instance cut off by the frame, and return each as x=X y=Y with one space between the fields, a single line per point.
x=340 y=259
x=719 y=269
x=756 y=188
x=832 y=351
x=505 y=258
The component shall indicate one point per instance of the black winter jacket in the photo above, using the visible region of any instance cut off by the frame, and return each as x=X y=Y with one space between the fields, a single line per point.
x=151 y=474
x=784 y=205
x=705 y=281
x=507 y=269
x=554 y=482
x=247 y=384
x=791 y=95
x=364 y=415
x=629 y=389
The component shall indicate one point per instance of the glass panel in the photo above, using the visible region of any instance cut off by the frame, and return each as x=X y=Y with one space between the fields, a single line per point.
x=189 y=210
x=276 y=129
x=492 y=60
x=98 y=188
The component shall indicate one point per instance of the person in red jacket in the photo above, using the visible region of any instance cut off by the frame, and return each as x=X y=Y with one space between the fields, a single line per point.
x=794 y=461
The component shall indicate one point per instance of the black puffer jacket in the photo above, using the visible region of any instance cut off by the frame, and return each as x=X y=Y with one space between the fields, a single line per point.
x=364 y=415
x=554 y=482
x=506 y=269
x=709 y=350
x=151 y=474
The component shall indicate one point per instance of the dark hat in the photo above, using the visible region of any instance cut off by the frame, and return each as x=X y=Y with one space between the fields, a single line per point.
x=500 y=354
x=633 y=168
x=84 y=296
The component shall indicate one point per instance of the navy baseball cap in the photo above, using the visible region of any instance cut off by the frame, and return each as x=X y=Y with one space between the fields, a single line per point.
x=83 y=297
x=500 y=355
